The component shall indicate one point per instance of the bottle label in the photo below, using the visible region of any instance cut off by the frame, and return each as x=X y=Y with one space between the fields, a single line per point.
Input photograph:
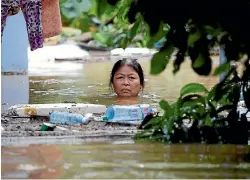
x=134 y=113
x=128 y=114
x=147 y=111
x=66 y=118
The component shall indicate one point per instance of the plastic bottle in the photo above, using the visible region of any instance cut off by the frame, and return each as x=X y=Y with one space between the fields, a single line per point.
x=127 y=113
x=68 y=118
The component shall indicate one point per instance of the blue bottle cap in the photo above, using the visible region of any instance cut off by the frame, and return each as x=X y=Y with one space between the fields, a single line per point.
x=104 y=118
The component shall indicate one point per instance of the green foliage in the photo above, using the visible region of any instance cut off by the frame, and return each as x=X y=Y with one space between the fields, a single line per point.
x=223 y=68
x=193 y=28
x=75 y=13
x=193 y=88
x=74 y=9
x=185 y=28
x=113 y=30
x=117 y=14
x=212 y=116
x=109 y=36
x=160 y=60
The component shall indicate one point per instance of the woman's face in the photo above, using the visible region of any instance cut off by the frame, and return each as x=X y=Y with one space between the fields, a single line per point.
x=126 y=82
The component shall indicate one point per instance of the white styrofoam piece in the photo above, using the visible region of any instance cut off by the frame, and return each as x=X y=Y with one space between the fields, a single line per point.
x=23 y=110
x=117 y=52
x=61 y=51
x=132 y=50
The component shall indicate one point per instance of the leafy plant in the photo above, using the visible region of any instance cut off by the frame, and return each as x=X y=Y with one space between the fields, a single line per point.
x=126 y=33
x=113 y=30
x=192 y=28
x=75 y=13
x=203 y=116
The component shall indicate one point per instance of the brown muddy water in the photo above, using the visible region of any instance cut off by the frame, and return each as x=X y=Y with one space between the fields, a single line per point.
x=108 y=157
x=49 y=82
x=124 y=159
x=90 y=83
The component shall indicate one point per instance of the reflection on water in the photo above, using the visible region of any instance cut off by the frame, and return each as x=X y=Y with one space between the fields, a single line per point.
x=91 y=84
x=117 y=159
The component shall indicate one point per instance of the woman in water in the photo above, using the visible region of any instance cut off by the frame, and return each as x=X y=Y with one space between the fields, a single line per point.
x=127 y=80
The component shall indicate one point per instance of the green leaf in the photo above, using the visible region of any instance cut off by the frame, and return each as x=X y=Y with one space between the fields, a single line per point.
x=211 y=93
x=214 y=32
x=177 y=106
x=193 y=88
x=82 y=23
x=190 y=103
x=104 y=8
x=143 y=134
x=123 y=7
x=98 y=36
x=200 y=111
x=93 y=9
x=178 y=61
x=164 y=105
x=193 y=100
x=221 y=69
x=160 y=60
x=74 y=9
x=101 y=7
x=208 y=121
x=162 y=32
x=124 y=42
x=199 y=61
x=62 y=1
x=169 y=123
x=155 y=122
x=133 y=30
x=193 y=37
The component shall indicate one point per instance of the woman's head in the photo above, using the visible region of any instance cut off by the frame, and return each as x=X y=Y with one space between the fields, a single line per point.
x=127 y=78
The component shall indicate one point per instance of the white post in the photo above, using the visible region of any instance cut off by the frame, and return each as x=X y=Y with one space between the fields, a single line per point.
x=14 y=60
x=15 y=90
x=14 y=45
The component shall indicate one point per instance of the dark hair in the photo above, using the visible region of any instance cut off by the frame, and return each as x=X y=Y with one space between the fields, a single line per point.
x=129 y=62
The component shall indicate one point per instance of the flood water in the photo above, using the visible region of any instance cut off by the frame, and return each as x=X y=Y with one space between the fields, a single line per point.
x=116 y=158
x=90 y=83
x=124 y=159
